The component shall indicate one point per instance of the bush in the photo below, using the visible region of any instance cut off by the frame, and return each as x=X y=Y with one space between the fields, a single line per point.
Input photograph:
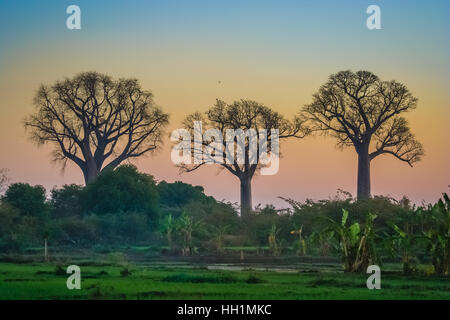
x=253 y=279
x=29 y=200
x=125 y=272
x=122 y=190
x=67 y=201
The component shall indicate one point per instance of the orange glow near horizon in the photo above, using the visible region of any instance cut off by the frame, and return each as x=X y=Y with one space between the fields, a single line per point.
x=188 y=76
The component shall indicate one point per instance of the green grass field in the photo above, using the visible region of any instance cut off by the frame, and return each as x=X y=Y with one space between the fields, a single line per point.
x=39 y=281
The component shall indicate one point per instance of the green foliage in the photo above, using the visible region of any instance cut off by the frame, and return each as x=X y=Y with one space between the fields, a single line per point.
x=186 y=226
x=179 y=194
x=67 y=201
x=28 y=200
x=356 y=248
x=10 y=222
x=257 y=224
x=301 y=244
x=98 y=291
x=219 y=239
x=405 y=239
x=122 y=190
x=254 y=279
x=274 y=242
x=22 y=281
x=168 y=227
x=121 y=209
x=59 y=270
x=73 y=230
x=125 y=272
x=438 y=235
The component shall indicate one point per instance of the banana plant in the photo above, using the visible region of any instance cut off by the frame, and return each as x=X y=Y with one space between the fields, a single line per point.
x=274 y=243
x=357 y=248
x=219 y=238
x=323 y=239
x=167 y=228
x=438 y=236
x=403 y=241
x=301 y=241
x=186 y=226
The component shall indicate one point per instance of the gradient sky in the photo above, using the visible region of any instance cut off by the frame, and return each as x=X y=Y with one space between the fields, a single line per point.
x=275 y=52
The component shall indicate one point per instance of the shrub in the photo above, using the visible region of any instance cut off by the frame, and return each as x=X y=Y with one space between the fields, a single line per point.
x=122 y=190
x=253 y=279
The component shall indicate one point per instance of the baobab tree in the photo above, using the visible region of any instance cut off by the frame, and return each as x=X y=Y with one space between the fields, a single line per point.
x=360 y=110
x=96 y=122
x=253 y=130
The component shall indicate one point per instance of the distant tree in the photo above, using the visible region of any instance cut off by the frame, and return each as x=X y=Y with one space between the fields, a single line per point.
x=123 y=190
x=96 y=122
x=67 y=201
x=359 y=109
x=178 y=194
x=29 y=200
x=242 y=115
x=10 y=226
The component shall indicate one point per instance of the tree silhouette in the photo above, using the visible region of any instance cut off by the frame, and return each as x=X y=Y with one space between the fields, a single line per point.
x=3 y=179
x=245 y=115
x=360 y=110
x=96 y=122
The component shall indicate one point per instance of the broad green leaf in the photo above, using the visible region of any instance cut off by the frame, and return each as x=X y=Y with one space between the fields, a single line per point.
x=344 y=217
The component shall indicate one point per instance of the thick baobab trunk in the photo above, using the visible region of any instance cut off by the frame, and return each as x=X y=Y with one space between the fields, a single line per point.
x=90 y=169
x=246 y=194
x=363 y=173
x=90 y=172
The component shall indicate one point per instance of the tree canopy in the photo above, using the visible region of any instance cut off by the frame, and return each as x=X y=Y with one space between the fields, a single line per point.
x=122 y=190
x=28 y=200
x=360 y=110
x=96 y=122
x=241 y=116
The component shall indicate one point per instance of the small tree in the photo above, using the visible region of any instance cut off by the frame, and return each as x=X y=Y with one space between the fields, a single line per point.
x=301 y=247
x=360 y=110
x=404 y=241
x=29 y=200
x=219 y=237
x=274 y=243
x=439 y=235
x=357 y=248
x=186 y=226
x=167 y=227
x=323 y=239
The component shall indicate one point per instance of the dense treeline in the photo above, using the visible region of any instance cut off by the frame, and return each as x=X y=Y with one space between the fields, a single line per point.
x=125 y=207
